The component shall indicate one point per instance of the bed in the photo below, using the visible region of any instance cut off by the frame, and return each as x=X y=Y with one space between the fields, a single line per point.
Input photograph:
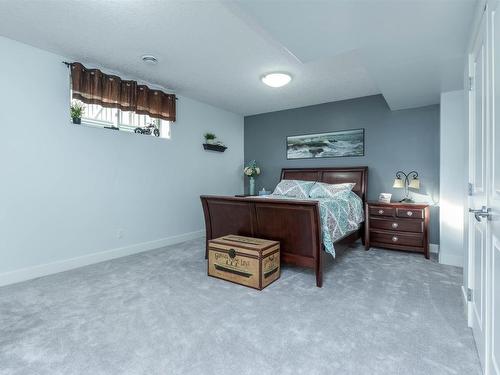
x=295 y=223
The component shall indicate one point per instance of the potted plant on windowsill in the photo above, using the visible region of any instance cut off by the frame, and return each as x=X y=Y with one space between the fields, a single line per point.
x=210 y=138
x=77 y=110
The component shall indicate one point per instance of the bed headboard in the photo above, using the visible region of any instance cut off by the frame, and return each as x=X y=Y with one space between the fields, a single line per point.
x=359 y=175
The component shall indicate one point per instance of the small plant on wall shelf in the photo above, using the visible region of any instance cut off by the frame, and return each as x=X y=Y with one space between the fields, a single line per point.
x=211 y=145
x=77 y=110
x=209 y=138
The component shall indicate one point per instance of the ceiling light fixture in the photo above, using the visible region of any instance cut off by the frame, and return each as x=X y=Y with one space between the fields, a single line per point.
x=276 y=79
x=149 y=59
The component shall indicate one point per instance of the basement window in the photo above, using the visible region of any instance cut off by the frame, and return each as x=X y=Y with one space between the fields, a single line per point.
x=128 y=121
x=107 y=101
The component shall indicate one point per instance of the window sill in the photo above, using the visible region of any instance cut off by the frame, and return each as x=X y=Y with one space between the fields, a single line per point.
x=118 y=130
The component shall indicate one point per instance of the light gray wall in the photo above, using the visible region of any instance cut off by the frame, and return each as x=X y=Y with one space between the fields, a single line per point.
x=394 y=140
x=71 y=195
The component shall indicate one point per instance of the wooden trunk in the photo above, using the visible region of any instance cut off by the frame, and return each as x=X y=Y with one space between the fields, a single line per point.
x=248 y=261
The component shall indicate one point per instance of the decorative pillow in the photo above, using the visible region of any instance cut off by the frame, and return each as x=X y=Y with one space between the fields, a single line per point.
x=294 y=188
x=322 y=190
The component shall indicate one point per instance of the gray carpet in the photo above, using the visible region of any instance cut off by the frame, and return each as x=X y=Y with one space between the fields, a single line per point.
x=379 y=312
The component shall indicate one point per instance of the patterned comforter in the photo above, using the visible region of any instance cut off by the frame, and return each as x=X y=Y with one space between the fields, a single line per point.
x=339 y=215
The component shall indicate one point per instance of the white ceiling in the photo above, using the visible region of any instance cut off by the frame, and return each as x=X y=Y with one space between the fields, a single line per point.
x=216 y=51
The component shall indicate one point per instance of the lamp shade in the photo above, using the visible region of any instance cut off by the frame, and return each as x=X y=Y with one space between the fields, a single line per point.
x=414 y=183
x=398 y=184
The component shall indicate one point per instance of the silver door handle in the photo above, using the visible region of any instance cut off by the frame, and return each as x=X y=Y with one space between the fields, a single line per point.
x=483 y=212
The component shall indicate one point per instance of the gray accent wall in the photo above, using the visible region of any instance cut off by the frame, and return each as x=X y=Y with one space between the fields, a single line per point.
x=394 y=140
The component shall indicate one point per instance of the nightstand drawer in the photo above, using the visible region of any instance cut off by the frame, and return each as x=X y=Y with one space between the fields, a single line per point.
x=397 y=238
x=413 y=213
x=416 y=226
x=382 y=211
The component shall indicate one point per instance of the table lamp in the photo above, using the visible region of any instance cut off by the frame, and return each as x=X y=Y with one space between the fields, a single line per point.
x=406 y=181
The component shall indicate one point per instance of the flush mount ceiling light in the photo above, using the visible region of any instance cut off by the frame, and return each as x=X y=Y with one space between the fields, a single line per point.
x=149 y=59
x=276 y=79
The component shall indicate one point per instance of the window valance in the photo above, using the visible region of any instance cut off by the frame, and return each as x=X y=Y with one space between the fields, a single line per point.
x=92 y=86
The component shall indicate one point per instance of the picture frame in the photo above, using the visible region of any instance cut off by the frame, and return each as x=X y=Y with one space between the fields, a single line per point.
x=385 y=197
x=339 y=143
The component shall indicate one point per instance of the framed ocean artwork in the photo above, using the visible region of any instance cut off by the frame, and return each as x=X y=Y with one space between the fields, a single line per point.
x=326 y=145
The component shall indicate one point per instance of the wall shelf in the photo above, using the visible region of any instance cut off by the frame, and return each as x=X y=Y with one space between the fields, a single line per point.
x=211 y=147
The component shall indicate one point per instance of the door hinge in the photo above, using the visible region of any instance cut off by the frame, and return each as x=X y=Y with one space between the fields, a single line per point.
x=470 y=189
x=469 y=294
x=471 y=83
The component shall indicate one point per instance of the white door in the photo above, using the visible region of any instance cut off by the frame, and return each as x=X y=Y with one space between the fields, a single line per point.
x=484 y=173
x=478 y=240
x=493 y=154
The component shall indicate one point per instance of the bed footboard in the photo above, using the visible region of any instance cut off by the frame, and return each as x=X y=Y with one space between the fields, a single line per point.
x=295 y=223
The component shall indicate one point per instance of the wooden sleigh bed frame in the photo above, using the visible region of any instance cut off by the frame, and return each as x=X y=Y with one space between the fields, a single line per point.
x=295 y=223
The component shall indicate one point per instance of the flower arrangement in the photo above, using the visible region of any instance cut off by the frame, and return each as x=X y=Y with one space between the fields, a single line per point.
x=251 y=170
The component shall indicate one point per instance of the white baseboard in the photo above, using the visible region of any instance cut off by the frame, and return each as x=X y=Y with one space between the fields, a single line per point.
x=467 y=307
x=447 y=258
x=466 y=304
x=464 y=296
x=456 y=260
x=434 y=248
x=29 y=273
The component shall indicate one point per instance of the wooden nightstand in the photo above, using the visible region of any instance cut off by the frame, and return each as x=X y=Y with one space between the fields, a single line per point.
x=397 y=226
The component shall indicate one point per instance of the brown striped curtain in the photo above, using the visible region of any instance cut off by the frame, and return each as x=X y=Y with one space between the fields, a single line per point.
x=92 y=86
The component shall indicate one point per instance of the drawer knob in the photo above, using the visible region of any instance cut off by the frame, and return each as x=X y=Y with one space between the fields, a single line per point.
x=394 y=239
x=409 y=213
x=395 y=225
x=380 y=212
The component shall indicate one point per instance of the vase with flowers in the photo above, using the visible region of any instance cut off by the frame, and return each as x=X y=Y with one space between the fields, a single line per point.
x=251 y=170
